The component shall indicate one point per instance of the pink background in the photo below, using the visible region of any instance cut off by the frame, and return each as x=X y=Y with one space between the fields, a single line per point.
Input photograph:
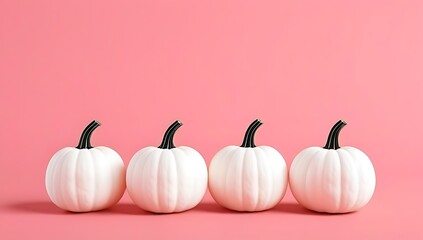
x=137 y=66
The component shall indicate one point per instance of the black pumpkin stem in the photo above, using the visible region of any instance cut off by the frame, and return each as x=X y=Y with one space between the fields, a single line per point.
x=333 y=138
x=167 y=142
x=249 y=134
x=85 y=140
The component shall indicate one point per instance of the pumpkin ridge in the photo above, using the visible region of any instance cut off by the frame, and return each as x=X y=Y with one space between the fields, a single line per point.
x=139 y=164
x=274 y=154
x=307 y=174
x=355 y=153
x=75 y=183
x=294 y=168
x=53 y=169
x=264 y=154
x=312 y=172
x=106 y=156
x=95 y=182
x=340 y=198
x=62 y=195
x=175 y=167
x=157 y=200
x=149 y=162
x=231 y=165
x=67 y=191
x=257 y=205
x=254 y=196
x=242 y=177
x=324 y=172
x=350 y=159
x=221 y=158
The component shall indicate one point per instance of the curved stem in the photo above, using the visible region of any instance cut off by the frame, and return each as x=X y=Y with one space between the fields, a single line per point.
x=167 y=142
x=249 y=134
x=333 y=138
x=336 y=142
x=330 y=136
x=85 y=140
x=83 y=135
x=88 y=139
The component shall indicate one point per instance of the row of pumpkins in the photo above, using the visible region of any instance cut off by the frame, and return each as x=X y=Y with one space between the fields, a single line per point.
x=168 y=179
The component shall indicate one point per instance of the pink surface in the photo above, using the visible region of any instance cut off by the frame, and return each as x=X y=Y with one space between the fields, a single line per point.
x=215 y=65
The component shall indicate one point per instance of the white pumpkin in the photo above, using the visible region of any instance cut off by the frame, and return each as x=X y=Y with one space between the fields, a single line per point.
x=332 y=179
x=85 y=178
x=167 y=179
x=248 y=178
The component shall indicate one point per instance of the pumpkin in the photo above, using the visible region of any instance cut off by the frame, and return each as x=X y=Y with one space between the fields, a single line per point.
x=248 y=177
x=332 y=179
x=85 y=178
x=166 y=178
